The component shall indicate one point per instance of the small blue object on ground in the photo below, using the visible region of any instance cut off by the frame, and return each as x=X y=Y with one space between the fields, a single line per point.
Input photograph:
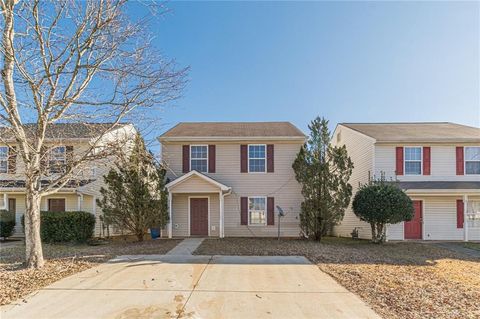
x=155 y=232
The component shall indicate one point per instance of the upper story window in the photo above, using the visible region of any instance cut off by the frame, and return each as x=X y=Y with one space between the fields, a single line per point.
x=256 y=158
x=413 y=160
x=57 y=161
x=3 y=159
x=199 y=158
x=257 y=211
x=472 y=160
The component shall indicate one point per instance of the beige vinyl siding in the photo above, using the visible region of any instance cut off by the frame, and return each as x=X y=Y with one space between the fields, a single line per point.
x=180 y=204
x=395 y=231
x=71 y=204
x=195 y=184
x=439 y=220
x=281 y=184
x=443 y=164
x=360 y=148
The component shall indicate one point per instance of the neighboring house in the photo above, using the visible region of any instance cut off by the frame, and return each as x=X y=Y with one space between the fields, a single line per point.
x=437 y=164
x=65 y=141
x=228 y=179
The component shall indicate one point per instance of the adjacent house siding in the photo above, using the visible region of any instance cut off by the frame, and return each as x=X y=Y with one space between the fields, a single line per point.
x=360 y=148
x=280 y=184
x=443 y=164
x=395 y=231
x=440 y=219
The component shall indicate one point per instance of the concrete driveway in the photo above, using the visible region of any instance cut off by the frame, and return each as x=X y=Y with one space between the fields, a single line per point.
x=161 y=286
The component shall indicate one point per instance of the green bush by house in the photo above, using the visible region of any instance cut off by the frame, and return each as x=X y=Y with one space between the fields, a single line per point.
x=7 y=223
x=380 y=203
x=74 y=226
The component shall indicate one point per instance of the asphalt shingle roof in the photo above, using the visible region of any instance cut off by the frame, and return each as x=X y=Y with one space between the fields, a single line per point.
x=417 y=132
x=233 y=129
x=67 y=130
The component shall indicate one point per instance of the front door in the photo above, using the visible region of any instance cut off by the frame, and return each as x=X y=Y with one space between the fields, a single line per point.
x=199 y=216
x=413 y=228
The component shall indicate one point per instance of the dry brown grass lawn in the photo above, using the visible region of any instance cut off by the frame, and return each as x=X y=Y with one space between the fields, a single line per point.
x=63 y=260
x=398 y=280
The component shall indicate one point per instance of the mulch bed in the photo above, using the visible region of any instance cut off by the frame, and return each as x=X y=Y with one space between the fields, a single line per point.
x=398 y=280
x=63 y=260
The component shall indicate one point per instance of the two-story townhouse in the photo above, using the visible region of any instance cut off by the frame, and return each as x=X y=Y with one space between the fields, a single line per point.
x=66 y=142
x=232 y=179
x=438 y=166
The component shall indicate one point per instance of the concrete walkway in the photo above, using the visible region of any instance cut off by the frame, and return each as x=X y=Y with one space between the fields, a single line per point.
x=180 y=286
x=186 y=247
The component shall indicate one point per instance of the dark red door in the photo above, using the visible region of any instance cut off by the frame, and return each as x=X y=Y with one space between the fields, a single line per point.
x=413 y=228
x=199 y=216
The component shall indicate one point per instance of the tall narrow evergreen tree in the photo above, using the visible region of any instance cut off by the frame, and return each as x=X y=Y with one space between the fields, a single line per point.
x=323 y=171
x=135 y=198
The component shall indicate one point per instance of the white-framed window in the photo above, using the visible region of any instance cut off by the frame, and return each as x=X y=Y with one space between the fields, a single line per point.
x=3 y=159
x=58 y=160
x=199 y=158
x=472 y=160
x=257 y=211
x=257 y=158
x=413 y=160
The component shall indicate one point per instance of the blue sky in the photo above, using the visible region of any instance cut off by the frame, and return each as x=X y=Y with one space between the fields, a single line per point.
x=347 y=61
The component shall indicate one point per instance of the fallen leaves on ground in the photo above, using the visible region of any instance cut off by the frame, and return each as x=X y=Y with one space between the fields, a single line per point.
x=398 y=280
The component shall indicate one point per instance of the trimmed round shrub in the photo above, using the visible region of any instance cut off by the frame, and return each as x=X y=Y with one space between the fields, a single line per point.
x=74 y=226
x=380 y=204
x=7 y=223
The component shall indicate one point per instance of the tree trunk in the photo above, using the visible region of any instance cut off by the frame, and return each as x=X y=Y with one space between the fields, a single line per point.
x=33 y=242
x=140 y=236
x=374 y=232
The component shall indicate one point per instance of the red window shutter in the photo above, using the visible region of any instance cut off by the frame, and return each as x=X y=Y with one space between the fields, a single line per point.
x=460 y=212
x=244 y=210
x=426 y=160
x=270 y=158
x=12 y=159
x=460 y=164
x=243 y=158
x=186 y=158
x=270 y=211
x=211 y=158
x=399 y=161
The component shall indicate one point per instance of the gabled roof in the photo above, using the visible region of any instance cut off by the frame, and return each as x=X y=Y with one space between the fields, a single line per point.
x=198 y=174
x=417 y=132
x=232 y=130
x=67 y=130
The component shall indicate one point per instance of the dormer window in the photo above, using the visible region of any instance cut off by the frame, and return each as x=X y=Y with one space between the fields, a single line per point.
x=3 y=159
x=57 y=160
x=472 y=160
x=199 y=158
x=413 y=161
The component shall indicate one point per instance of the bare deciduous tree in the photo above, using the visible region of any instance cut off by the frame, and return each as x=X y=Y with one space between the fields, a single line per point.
x=73 y=62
